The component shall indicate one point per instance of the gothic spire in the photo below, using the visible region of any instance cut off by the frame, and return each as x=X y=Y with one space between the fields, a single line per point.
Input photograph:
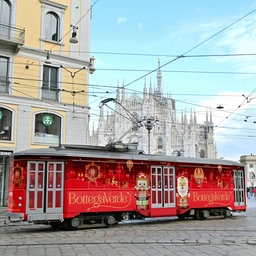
x=195 y=121
x=191 y=117
x=145 y=91
x=150 y=91
x=123 y=94
x=118 y=92
x=159 y=78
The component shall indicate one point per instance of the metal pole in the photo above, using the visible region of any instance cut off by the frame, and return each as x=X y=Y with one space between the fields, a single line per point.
x=148 y=141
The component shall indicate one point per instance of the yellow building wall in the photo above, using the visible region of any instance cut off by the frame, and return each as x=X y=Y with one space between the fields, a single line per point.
x=26 y=80
x=77 y=84
x=31 y=22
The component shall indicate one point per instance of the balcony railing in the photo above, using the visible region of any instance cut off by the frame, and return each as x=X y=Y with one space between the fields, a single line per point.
x=13 y=35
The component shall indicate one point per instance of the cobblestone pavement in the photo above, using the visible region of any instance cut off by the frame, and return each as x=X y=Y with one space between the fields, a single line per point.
x=234 y=236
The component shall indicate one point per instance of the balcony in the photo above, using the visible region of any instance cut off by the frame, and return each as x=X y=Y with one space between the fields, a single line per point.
x=13 y=36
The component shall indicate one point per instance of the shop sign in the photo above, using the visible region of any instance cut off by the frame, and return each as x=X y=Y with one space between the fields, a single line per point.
x=47 y=120
x=5 y=153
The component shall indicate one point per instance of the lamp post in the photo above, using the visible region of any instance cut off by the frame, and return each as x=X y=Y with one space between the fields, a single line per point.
x=149 y=123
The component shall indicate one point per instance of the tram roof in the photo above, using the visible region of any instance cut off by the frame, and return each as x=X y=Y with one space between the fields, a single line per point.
x=116 y=153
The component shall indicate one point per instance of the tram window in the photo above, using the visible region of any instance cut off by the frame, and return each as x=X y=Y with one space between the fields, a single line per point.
x=39 y=199
x=31 y=199
x=59 y=167
x=50 y=199
x=58 y=180
x=40 y=179
x=32 y=166
x=32 y=179
x=58 y=199
x=40 y=167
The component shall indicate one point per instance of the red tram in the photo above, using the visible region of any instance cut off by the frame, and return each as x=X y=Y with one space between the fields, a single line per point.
x=71 y=186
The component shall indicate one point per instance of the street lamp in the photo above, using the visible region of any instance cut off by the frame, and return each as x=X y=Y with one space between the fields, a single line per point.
x=148 y=123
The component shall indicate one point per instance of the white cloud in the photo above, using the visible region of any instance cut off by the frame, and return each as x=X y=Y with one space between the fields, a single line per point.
x=121 y=20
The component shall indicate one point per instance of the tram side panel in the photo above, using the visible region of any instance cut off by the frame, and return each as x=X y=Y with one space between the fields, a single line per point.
x=99 y=186
x=17 y=189
x=209 y=187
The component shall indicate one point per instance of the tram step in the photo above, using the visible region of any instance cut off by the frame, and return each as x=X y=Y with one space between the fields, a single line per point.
x=216 y=217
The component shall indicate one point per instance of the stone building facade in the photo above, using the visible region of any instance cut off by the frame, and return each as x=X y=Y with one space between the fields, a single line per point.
x=173 y=136
x=249 y=162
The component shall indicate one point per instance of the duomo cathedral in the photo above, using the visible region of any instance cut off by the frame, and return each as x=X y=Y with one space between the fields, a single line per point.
x=175 y=136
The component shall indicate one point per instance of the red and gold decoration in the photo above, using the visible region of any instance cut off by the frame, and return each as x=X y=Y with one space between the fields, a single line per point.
x=17 y=176
x=129 y=164
x=142 y=191
x=182 y=196
x=199 y=176
x=92 y=172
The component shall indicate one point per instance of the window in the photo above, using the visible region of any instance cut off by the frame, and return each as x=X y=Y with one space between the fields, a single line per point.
x=135 y=119
x=4 y=83
x=52 y=18
x=50 y=90
x=160 y=143
x=5 y=18
x=52 y=26
x=5 y=124
x=252 y=175
x=47 y=129
x=5 y=12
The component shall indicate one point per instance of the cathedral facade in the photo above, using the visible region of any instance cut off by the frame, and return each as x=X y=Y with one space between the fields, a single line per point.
x=172 y=136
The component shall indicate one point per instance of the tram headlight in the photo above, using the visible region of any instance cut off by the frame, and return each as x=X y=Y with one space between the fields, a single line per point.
x=19 y=205
x=20 y=198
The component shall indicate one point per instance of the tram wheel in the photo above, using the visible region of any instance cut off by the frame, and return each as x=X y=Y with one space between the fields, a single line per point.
x=71 y=224
x=227 y=213
x=110 y=221
x=204 y=214
x=197 y=215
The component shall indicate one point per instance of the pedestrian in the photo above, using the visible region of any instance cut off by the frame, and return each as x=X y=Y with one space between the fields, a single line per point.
x=254 y=192
x=248 y=193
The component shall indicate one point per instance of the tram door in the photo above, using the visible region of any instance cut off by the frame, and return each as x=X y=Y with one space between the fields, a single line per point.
x=163 y=186
x=45 y=187
x=239 y=187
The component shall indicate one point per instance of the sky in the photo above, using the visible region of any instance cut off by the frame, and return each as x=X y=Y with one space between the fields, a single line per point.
x=207 y=53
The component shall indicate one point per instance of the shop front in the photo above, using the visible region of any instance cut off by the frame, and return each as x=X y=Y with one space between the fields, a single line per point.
x=4 y=176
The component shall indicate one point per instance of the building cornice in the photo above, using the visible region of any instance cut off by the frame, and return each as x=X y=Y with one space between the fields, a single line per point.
x=54 y=4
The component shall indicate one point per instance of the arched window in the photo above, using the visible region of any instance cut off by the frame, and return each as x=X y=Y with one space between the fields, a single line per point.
x=5 y=124
x=202 y=153
x=5 y=18
x=160 y=143
x=135 y=119
x=52 y=26
x=252 y=175
x=5 y=12
x=47 y=129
